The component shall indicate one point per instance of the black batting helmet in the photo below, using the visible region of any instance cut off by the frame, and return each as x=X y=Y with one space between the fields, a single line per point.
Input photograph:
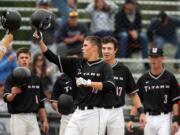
x=65 y=104
x=21 y=76
x=41 y=19
x=11 y=20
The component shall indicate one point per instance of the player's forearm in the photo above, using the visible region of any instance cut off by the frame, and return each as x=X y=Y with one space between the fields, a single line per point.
x=42 y=115
x=55 y=106
x=10 y=97
x=42 y=46
x=175 y=109
x=136 y=100
x=97 y=85
x=8 y=38
x=5 y=43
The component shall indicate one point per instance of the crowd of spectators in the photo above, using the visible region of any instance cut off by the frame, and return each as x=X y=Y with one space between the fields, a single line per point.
x=107 y=18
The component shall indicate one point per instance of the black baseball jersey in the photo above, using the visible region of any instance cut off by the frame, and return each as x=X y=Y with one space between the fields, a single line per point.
x=30 y=100
x=158 y=93
x=62 y=85
x=124 y=84
x=97 y=71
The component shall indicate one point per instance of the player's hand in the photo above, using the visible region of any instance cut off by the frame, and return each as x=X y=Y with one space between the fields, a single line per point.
x=130 y=126
x=15 y=90
x=37 y=35
x=142 y=120
x=82 y=82
x=45 y=126
x=174 y=128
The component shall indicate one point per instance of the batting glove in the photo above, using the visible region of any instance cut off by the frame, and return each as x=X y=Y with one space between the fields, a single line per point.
x=82 y=82
x=37 y=35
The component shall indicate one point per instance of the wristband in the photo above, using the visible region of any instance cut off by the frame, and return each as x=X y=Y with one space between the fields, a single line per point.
x=132 y=118
x=3 y=49
x=176 y=118
x=88 y=82
x=140 y=110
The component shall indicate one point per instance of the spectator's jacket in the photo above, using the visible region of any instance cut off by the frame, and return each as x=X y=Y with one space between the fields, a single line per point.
x=167 y=31
x=6 y=67
x=101 y=20
x=122 y=23
x=66 y=32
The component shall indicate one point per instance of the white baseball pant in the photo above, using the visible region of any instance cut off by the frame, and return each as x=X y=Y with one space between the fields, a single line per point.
x=85 y=122
x=158 y=125
x=63 y=123
x=114 y=121
x=24 y=124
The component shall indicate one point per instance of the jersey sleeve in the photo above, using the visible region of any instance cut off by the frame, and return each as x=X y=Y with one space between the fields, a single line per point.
x=140 y=89
x=67 y=64
x=131 y=85
x=175 y=94
x=108 y=80
x=7 y=88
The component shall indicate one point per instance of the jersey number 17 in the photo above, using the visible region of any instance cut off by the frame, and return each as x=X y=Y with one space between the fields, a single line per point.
x=119 y=91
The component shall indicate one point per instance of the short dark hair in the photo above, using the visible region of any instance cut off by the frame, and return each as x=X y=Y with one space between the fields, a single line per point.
x=23 y=50
x=94 y=40
x=162 y=16
x=134 y=2
x=110 y=39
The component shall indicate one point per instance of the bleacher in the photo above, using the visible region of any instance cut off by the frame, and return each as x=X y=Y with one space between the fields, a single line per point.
x=149 y=8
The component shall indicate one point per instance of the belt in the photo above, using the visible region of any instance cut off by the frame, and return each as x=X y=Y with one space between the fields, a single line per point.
x=156 y=113
x=85 y=107
x=111 y=107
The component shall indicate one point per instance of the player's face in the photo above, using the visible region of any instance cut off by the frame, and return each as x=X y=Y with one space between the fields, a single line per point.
x=156 y=61
x=88 y=49
x=108 y=52
x=24 y=60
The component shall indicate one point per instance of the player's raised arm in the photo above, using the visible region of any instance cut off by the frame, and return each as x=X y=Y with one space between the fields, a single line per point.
x=10 y=21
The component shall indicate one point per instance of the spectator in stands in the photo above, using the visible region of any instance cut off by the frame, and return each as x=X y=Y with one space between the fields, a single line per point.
x=163 y=29
x=41 y=69
x=101 y=14
x=71 y=35
x=128 y=25
x=64 y=7
x=49 y=33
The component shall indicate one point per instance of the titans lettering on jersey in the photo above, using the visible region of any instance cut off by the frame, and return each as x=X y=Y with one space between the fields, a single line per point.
x=97 y=71
x=124 y=84
x=158 y=92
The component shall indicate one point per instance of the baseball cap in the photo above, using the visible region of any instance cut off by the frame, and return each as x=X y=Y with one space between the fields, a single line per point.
x=156 y=52
x=73 y=14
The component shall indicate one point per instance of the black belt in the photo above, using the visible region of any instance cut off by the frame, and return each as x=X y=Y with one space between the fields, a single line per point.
x=111 y=107
x=85 y=107
x=156 y=113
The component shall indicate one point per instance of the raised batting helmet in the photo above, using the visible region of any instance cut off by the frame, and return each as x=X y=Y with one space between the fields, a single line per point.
x=11 y=20
x=65 y=104
x=21 y=76
x=41 y=19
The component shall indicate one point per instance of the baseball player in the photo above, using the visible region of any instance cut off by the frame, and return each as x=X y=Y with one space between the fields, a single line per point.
x=159 y=92
x=24 y=101
x=94 y=77
x=10 y=21
x=63 y=85
x=124 y=84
